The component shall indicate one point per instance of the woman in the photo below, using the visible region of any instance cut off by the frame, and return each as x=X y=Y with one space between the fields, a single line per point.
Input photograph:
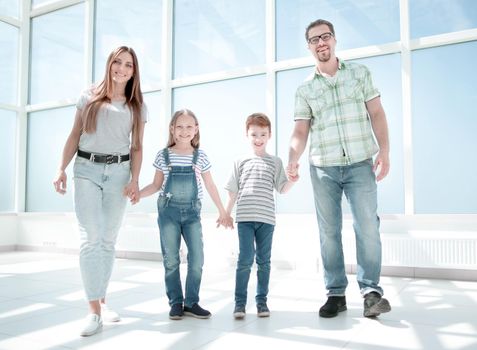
x=106 y=171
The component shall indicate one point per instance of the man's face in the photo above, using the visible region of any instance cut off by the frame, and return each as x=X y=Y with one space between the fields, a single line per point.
x=320 y=43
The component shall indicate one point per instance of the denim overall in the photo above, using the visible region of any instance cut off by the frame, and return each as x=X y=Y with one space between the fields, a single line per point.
x=179 y=216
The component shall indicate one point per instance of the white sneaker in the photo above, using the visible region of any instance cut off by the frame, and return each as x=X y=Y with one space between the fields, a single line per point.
x=94 y=323
x=109 y=315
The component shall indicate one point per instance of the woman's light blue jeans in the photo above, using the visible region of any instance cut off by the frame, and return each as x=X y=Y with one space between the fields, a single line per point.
x=255 y=240
x=100 y=206
x=358 y=183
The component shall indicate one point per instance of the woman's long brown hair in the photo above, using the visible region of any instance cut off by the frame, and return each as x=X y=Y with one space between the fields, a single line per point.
x=133 y=94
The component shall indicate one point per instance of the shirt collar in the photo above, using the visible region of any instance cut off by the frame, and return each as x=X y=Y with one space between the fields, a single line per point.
x=341 y=65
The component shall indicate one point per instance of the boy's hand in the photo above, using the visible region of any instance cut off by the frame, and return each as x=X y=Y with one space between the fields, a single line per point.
x=226 y=221
x=292 y=172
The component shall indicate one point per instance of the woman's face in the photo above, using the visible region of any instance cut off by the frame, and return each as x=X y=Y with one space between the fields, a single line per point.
x=122 y=68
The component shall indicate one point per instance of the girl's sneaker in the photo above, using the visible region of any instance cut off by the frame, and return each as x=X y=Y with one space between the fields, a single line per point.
x=196 y=311
x=177 y=312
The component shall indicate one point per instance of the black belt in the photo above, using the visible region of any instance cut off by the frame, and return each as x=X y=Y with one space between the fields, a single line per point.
x=103 y=158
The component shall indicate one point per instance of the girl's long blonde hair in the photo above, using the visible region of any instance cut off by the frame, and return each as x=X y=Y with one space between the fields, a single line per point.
x=133 y=94
x=195 y=142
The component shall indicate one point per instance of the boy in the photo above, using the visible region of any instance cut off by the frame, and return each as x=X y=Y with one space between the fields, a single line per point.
x=251 y=186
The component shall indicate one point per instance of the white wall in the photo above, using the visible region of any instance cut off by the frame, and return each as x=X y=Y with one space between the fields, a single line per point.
x=442 y=246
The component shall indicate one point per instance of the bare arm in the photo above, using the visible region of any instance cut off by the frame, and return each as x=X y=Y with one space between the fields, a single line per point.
x=297 y=146
x=380 y=129
x=154 y=186
x=289 y=184
x=231 y=202
x=69 y=150
x=132 y=189
x=230 y=205
x=214 y=194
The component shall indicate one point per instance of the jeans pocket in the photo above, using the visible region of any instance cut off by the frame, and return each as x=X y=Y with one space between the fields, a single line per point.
x=161 y=202
x=197 y=207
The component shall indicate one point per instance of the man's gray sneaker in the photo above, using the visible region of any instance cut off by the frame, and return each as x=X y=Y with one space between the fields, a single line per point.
x=374 y=305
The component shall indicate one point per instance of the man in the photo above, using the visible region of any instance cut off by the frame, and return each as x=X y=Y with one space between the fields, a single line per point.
x=341 y=110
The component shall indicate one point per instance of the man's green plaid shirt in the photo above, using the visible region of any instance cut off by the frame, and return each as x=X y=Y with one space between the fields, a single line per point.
x=340 y=129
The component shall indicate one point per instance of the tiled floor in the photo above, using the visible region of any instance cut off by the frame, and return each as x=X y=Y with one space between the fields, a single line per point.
x=42 y=307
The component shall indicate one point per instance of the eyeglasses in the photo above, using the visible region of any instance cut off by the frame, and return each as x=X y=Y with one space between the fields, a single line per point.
x=316 y=39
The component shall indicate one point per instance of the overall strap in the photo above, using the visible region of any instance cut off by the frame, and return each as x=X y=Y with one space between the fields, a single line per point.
x=195 y=156
x=165 y=154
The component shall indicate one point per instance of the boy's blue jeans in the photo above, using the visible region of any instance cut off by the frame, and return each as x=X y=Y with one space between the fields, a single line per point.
x=176 y=221
x=357 y=181
x=255 y=240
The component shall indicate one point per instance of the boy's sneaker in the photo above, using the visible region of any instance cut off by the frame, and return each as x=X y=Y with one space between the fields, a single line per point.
x=239 y=312
x=196 y=311
x=177 y=312
x=93 y=325
x=333 y=305
x=262 y=310
x=374 y=305
x=109 y=315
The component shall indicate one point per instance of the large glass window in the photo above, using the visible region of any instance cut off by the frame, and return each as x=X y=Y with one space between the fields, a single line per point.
x=300 y=197
x=222 y=108
x=7 y=145
x=386 y=72
x=57 y=55
x=356 y=23
x=36 y=3
x=444 y=126
x=9 y=8
x=47 y=134
x=431 y=17
x=131 y=23
x=8 y=63
x=215 y=35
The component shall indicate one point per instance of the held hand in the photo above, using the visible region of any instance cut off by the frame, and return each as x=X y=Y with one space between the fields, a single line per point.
x=60 y=182
x=381 y=163
x=229 y=222
x=292 y=171
x=226 y=221
x=132 y=191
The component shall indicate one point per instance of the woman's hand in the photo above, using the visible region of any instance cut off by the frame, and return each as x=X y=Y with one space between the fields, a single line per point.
x=60 y=182
x=132 y=191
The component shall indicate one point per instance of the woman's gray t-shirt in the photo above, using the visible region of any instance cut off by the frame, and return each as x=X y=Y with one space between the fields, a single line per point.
x=113 y=128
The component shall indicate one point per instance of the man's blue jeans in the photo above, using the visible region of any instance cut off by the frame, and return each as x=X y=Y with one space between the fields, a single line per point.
x=358 y=183
x=255 y=240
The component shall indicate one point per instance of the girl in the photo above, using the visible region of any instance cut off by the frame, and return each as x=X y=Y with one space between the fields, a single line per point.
x=179 y=169
x=106 y=170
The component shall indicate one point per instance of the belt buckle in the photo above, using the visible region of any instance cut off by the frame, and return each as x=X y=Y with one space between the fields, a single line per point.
x=109 y=159
x=91 y=157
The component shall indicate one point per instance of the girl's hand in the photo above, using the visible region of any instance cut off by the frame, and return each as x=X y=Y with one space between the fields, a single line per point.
x=132 y=191
x=60 y=182
x=226 y=221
